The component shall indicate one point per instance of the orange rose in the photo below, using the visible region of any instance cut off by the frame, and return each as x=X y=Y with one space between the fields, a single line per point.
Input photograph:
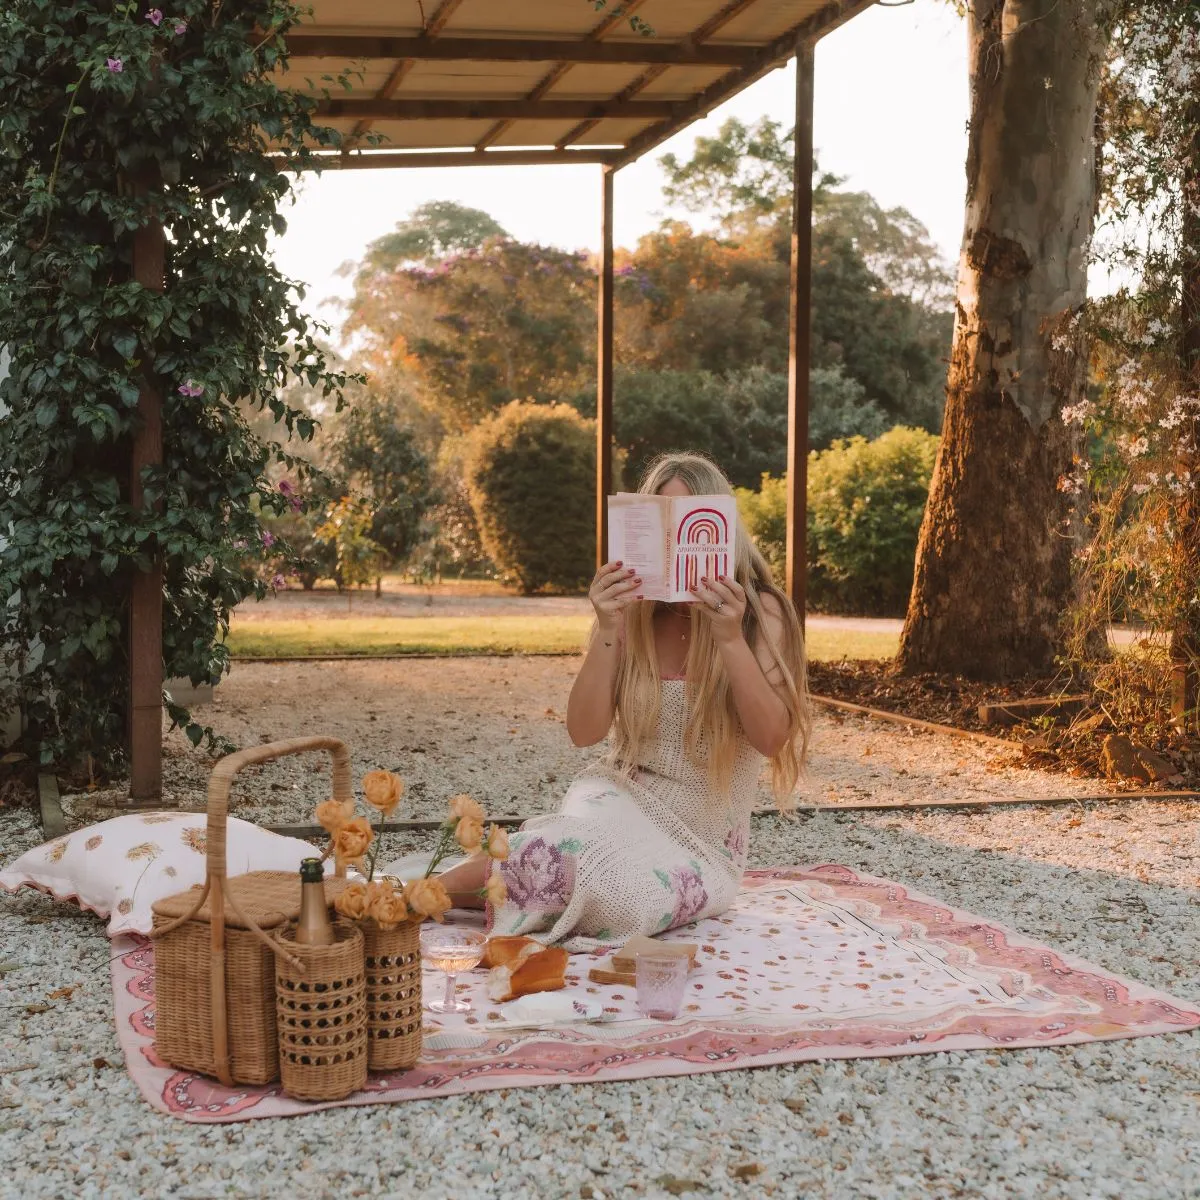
x=387 y=908
x=497 y=843
x=382 y=790
x=464 y=806
x=427 y=898
x=331 y=815
x=350 y=842
x=352 y=902
x=468 y=833
x=495 y=890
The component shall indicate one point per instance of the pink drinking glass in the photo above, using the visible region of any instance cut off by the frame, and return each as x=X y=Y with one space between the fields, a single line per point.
x=661 y=979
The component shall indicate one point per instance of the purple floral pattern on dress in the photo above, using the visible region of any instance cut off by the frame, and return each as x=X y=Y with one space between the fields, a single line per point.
x=539 y=876
x=690 y=894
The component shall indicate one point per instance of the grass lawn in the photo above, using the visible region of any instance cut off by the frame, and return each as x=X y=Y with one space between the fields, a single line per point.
x=477 y=635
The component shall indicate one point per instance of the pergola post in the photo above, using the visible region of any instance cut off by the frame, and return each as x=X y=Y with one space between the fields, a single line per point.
x=604 y=368
x=800 y=333
x=145 y=595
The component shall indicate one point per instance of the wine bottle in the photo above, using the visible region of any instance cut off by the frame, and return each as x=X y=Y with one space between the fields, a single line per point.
x=314 y=928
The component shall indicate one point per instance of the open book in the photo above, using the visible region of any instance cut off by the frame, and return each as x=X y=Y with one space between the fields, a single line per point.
x=672 y=541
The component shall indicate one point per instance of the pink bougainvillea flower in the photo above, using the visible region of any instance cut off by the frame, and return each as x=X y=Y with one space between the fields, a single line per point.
x=154 y=16
x=180 y=28
x=278 y=582
x=191 y=388
x=293 y=499
x=268 y=538
x=115 y=65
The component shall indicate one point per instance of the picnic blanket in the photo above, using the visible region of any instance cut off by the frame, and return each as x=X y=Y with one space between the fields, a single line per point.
x=809 y=963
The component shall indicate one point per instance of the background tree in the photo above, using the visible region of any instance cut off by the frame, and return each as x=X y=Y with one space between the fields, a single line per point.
x=993 y=565
x=1137 y=486
x=434 y=230
x=504 y=321
x=530 y=472
x=376 y=452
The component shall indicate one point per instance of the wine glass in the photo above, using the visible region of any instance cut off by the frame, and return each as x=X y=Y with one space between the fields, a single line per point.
x=451 y=950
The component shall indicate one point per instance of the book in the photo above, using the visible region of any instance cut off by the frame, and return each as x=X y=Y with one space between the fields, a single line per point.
x=672 y=541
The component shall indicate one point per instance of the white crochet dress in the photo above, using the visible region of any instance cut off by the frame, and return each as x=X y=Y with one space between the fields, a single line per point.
x=632 y=853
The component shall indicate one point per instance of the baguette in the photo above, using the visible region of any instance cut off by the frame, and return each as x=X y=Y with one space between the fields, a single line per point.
x=500 y=951
x=534 y=968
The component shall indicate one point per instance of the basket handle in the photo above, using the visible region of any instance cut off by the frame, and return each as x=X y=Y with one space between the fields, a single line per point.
x=221 y=781
x=219 y=784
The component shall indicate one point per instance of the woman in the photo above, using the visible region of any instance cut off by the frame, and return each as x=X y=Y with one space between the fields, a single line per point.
x=696 y=695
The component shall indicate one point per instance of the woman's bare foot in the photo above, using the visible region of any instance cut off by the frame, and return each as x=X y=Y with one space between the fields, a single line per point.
x=465 y=882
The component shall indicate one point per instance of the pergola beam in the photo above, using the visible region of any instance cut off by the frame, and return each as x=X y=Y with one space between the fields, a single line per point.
x=714 y=24
x=382 y=159
x=604 y=368
x=434 y=26
x=800 y=335
x=774 y=55
x=645 y=51
x=514 y=110
x=552 y=77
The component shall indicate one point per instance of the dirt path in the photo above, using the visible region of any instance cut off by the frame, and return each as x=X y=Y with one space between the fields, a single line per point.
x=494 y=727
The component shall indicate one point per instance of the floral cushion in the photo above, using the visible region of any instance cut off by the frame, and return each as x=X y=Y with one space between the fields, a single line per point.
x=119 y=868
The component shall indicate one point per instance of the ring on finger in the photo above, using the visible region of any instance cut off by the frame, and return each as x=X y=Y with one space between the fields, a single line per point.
x=720 y=604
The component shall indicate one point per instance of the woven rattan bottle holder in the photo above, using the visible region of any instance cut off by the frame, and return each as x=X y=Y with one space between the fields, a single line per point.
x=214 y=961
x=393 y=963
x=321 y=1011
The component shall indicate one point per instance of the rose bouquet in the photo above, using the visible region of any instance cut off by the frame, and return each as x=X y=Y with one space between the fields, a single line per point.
x=387 y=902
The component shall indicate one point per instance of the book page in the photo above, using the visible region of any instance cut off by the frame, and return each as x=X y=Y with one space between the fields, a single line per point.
x=703 y=535
x=637 y=536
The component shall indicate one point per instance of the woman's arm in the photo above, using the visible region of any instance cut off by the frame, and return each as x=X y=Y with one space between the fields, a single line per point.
x=593 y=701
x=762 y=713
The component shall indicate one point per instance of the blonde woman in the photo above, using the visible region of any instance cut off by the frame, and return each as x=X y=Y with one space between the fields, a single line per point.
x=696 y=696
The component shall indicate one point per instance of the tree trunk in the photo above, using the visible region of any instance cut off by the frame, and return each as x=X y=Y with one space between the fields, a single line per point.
x=993 y=562
x=1185 y=637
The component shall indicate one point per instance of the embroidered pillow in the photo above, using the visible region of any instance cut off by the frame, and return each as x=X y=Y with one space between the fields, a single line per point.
x=119 y=868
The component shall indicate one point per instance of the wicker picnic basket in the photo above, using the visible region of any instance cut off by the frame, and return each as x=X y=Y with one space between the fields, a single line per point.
x=393 y=963
x=321 y=1010
x=214 y=962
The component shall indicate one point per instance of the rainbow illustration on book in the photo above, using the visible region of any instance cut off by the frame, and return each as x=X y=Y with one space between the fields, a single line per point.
x=703 y=542
x=673 y=541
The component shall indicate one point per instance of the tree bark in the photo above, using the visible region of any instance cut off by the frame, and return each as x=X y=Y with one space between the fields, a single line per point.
x=1185 y=637
x=993 y=561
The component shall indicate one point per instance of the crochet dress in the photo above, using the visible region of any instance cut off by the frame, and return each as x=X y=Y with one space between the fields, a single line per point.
x=630 y=853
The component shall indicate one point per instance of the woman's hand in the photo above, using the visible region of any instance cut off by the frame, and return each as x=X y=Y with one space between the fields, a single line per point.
x=613 y=590
x=724 y=604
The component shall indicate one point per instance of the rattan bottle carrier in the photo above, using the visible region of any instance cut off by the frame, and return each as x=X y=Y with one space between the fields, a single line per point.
x=214 y=962
x=322 y=1015
x=393 y=961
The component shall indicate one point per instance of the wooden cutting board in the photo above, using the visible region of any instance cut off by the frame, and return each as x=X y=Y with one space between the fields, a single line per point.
x=625 y=958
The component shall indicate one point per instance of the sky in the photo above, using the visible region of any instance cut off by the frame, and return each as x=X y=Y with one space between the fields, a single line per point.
x=890 y=115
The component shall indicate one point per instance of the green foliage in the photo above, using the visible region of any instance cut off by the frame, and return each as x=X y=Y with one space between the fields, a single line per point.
x=738 y=420
x=432 y=231
x=530 y=472
x=111 y=121
x=865 y=504
x=486 y=326
x=348 y=529
x=377 y=453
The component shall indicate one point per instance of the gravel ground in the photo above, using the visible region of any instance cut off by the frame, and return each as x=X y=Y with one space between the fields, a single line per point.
x=1116 y=883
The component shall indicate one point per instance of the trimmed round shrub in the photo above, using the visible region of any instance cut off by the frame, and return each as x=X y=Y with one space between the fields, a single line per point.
x=865 y=504
x=530 y=473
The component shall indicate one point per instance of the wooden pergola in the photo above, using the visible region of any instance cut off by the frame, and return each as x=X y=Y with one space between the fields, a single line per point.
x=531 y=82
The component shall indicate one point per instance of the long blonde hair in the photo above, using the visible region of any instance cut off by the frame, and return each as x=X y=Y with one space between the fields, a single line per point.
x=711 y=735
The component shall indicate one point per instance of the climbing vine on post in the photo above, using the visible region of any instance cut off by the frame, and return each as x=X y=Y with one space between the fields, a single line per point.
x=100 y=98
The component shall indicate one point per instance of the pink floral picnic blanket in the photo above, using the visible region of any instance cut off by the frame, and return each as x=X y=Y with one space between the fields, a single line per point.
x=808 y=964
